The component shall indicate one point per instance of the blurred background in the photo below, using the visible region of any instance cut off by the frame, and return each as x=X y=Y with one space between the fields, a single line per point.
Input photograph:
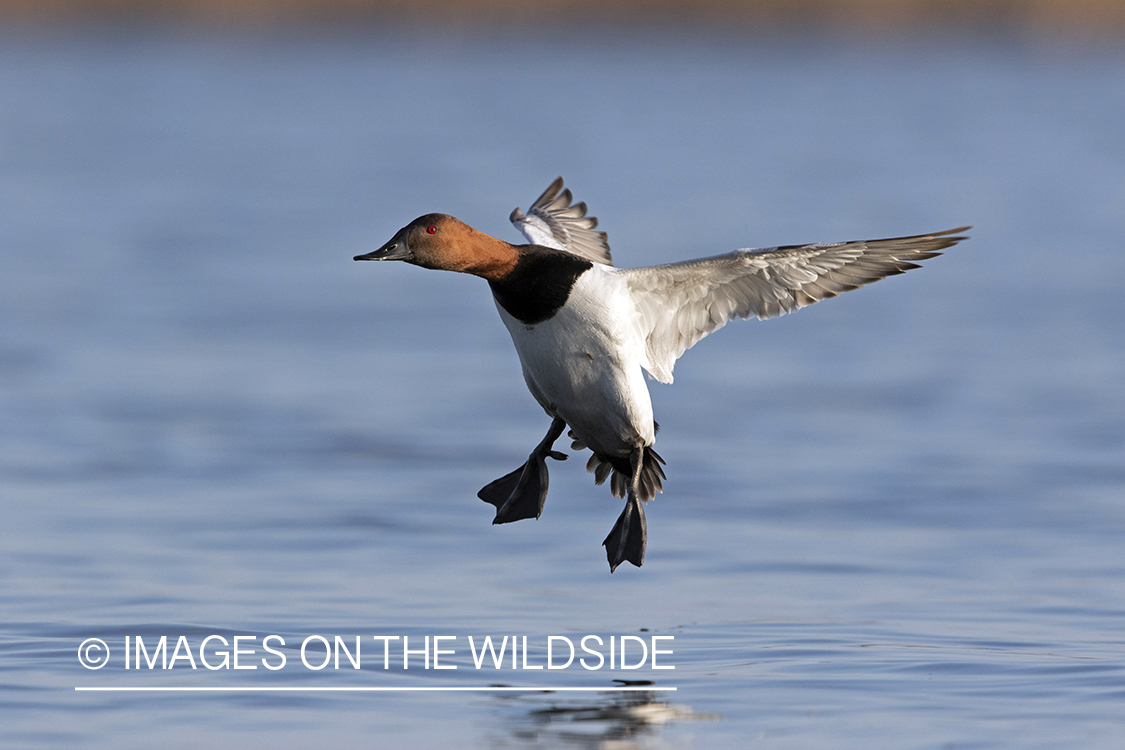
x=1097 y=17
x=895 y=519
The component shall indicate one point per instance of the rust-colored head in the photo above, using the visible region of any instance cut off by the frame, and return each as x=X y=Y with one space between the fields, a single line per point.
x=444 y=243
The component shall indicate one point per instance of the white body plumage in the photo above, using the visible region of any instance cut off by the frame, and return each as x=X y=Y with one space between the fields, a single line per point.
x=584 y=364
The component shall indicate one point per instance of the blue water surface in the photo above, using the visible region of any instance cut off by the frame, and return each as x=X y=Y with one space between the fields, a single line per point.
x=896 y=519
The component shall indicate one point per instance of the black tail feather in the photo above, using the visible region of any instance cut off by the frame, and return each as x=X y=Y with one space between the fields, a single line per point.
x=651 y=479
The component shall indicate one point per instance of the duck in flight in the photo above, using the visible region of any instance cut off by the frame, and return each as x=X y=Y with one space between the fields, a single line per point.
x=585 y=330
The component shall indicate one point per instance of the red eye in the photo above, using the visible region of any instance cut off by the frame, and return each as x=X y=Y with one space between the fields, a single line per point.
x=431 y=230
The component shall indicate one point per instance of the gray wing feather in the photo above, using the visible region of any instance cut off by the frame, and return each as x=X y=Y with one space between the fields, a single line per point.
x=552 y=221
x=680 y=303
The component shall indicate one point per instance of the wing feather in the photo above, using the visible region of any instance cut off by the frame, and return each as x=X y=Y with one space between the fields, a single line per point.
x=680 y=303
x=553 y=221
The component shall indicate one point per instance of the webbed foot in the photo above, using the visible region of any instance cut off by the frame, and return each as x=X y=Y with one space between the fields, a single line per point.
x=629 y=536
x=627 y=540
x=522 y=493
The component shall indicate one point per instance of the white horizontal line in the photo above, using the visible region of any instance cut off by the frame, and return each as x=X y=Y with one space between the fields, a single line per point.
x=440 y=689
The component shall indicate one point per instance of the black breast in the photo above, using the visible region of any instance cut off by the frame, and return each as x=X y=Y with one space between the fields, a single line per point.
x=539 y=284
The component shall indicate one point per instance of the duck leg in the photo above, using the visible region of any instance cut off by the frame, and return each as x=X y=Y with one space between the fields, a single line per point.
x=521 y=493
x=627 y=539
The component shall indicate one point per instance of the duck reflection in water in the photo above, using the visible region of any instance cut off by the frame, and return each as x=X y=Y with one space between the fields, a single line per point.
x=619 y=720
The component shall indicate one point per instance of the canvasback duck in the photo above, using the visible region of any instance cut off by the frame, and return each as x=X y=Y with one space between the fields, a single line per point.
x=584 y=330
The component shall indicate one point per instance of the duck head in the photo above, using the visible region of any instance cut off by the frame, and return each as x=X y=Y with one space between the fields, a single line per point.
x=445 y=243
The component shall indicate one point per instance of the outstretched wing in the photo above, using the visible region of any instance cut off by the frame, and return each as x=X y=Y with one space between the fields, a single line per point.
x=681 y=303
x=553 y=222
